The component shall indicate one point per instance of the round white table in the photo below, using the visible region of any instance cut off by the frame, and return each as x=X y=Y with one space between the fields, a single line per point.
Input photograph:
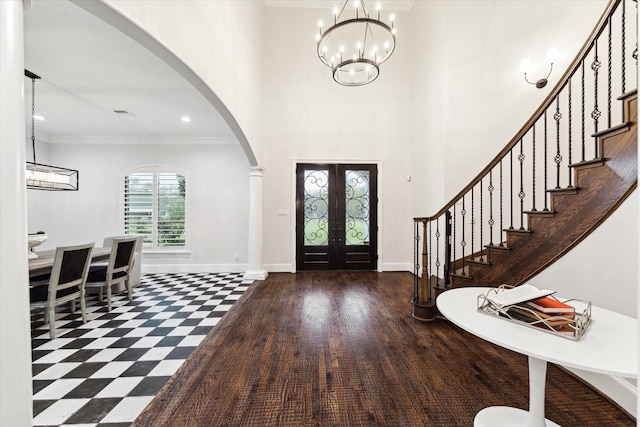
x=608 y=347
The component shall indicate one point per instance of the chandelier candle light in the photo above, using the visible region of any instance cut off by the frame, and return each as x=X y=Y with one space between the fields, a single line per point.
x=355 y=47
x=38 y=175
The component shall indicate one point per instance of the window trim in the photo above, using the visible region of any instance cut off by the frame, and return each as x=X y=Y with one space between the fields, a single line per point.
x=155 y=169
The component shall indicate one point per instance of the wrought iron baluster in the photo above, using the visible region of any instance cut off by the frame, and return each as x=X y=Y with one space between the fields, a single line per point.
x=544 y=194
x=558 y=158
x=438 y=247
x=463 y=241
x=447 y=249
x=533 y=180
x=521 y=194
x=473 y=221
x=453 y=242
x=481 y=223
x=609 y=52
x=491 y=221
x=596 y=113
x=635 y=52
x=570 y=128
x=501 y=207
x=426 y=272
x=583 y=113
x=511 y=187
x=623 y=42
x=430 y=256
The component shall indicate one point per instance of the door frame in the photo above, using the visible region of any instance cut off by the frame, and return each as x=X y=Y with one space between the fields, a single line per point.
x=292 y=208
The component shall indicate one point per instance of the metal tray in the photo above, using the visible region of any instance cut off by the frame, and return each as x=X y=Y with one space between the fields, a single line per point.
x=574 y=329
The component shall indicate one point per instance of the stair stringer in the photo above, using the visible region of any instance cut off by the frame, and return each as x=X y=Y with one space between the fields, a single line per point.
x=600 y=187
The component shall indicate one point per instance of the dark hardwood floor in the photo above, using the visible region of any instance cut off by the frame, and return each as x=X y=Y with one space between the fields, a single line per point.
x=341 y=349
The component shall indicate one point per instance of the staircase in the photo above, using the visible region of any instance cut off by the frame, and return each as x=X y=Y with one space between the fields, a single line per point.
x=533 y=203
x=600 y=186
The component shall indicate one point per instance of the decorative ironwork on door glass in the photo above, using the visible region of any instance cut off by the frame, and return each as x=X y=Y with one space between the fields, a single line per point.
x=357 y=207
x=316 y=207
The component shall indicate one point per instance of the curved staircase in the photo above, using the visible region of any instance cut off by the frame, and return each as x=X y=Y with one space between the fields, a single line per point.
x=601 y=185
x=484 y=236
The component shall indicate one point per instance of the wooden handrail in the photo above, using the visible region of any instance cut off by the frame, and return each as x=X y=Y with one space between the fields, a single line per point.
x=571 y=70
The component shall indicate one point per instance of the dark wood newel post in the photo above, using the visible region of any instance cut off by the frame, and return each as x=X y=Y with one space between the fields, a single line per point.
x=424 y=307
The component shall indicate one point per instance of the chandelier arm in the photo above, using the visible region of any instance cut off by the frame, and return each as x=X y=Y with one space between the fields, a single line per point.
x=364 y=8
x=342 y=10
x=364 y=41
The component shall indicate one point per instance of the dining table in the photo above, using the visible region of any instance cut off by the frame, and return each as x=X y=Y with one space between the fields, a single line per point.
x=609 y=347
x=44 y=262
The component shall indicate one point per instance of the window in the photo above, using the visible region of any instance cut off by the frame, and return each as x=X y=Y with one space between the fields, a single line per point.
x=155 y=204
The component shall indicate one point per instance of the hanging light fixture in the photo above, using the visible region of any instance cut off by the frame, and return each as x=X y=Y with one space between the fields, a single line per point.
x=40 y=176
x=355 y=47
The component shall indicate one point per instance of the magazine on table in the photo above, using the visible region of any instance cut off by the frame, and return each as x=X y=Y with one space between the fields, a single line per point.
x=518 y=294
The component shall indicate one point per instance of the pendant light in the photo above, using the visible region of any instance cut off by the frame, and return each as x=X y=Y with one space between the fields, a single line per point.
x=46 y=177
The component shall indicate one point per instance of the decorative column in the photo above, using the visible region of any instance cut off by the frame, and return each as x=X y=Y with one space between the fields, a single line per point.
x=256 y=269
x=15 y=334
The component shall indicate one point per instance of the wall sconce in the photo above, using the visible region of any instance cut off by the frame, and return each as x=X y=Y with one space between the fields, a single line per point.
x=525 y=66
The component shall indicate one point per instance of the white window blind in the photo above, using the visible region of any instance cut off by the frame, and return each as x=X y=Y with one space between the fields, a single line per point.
x=155 y=206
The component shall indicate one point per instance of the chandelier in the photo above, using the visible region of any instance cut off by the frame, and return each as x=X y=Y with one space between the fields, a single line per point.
x=40 y=176
x=354 y=47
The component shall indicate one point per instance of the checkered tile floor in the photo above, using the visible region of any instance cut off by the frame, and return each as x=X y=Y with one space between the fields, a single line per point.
x=105 y=372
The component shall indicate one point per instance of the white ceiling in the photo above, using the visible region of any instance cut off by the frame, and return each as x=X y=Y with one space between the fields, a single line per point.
x=389 y=5
x=88 y=69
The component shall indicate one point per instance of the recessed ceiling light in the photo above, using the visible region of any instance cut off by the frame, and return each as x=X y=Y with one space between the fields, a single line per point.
x=186 y=119
x=38 y=117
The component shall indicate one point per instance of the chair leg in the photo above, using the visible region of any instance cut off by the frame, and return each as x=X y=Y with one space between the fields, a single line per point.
x=83 y=306
x=100 y=295
x=52 y=322
x=130 y=290
x=72 y=304
x=46 y=315
x=108 y=297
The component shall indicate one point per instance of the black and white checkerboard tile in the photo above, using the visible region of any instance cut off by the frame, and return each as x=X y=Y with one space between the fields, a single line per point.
x=105 y=372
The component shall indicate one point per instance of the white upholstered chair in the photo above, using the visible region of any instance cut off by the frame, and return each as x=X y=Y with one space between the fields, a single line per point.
x=66 y=284
x=117 y=270
x=136 y=271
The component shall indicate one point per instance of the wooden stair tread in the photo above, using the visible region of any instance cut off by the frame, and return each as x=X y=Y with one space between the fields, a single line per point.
x=566 y=190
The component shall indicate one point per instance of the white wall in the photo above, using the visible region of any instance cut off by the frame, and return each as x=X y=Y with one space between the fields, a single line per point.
x=469 y=96
x=218 y=191
x=221 y=41
x=308 y=117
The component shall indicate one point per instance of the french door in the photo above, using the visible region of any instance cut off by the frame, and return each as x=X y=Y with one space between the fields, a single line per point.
x=336 y=217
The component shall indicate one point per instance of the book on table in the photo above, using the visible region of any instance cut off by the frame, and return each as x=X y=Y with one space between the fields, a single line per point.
x=531 y=316
x=550 y=305
x=519 y=294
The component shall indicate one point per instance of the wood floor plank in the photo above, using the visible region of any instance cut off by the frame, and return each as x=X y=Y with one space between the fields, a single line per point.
x=341 y=349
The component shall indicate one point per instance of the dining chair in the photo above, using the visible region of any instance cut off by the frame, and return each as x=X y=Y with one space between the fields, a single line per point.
x=116 y=271
x=135 y=275
x=66 y=284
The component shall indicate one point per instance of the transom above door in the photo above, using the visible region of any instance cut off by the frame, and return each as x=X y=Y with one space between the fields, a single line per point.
x=336 y=216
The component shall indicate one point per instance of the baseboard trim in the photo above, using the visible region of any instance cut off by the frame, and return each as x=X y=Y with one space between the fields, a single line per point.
x=279 y=268
x=194 y=268
x=397 y=266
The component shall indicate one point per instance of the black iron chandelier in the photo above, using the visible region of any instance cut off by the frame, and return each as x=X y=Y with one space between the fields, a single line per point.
x=40 y=176
x=355 y=47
